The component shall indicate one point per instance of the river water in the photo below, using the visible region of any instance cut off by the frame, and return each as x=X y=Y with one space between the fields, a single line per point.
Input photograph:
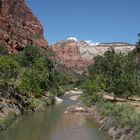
x=53 y=124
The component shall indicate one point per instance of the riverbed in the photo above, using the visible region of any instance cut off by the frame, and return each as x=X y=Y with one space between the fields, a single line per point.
x=53 y=124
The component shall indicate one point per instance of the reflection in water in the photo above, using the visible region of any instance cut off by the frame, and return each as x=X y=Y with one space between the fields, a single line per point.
x=53 y=124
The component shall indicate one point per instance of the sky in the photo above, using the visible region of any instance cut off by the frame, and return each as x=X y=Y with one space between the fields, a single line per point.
x=95 y=20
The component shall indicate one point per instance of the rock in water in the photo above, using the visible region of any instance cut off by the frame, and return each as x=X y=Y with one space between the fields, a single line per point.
x=75 y=108
x=19 y=27
x=58 y=100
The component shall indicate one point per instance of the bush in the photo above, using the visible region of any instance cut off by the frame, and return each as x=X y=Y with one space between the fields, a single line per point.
x=33 y=82
x=120 y=71
x=29 y=55
x=93 y=90
x=8 y=69
x=125 y=114
x=90 y=99
x=6 y=121
x=137 y=136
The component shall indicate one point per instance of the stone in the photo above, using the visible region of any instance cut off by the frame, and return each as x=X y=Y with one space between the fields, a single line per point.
x=58 y=100
x=74 y=97
x=78 y=109
x=19 y=27
x=78 y=55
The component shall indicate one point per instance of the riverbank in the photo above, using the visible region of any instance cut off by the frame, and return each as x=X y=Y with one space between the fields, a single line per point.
x=119 y=121
x=111 y=125
x=16 y=104
x=54 y=124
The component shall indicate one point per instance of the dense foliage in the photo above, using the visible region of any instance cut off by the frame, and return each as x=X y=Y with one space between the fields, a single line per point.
x=8 y=69
x=31 y=73
x=118 y=73
x=29 y=55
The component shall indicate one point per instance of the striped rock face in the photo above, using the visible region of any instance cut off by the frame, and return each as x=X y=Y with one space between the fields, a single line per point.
x=18 y=26
x=79 y=55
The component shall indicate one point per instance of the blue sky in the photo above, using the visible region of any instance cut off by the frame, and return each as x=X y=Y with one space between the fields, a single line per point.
x=96 y=20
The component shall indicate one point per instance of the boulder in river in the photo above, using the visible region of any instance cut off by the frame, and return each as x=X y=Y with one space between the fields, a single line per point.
x=58 y=100
x=75 y=109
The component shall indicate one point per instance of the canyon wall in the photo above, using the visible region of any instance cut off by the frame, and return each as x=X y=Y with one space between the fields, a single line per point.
x=79 y=55
x=19 y=27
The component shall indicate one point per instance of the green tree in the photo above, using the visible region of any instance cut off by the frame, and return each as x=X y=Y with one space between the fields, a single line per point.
x=29 y=55
x=93 y=90
x=33 y=82
x=139 y=39
x=8 y=70
x=120 y=71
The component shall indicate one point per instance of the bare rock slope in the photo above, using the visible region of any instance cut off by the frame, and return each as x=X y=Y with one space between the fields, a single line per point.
x=18 y=26
x=79 y=55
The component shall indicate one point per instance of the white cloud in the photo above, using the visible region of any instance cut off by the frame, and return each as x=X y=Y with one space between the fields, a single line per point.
x=87 y=41
x=91 y=43
x=72 y=38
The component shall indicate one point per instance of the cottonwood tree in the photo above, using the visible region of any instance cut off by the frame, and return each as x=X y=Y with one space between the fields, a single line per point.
x=8 y=73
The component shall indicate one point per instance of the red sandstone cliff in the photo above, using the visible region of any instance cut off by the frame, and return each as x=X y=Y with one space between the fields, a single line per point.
x=79 y=55
x=18 y=26
x=68 y=53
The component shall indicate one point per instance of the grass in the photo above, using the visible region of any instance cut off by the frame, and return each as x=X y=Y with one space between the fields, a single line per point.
x=137 y=136
x=39 y=104
x=7 y=120
x=126 y=114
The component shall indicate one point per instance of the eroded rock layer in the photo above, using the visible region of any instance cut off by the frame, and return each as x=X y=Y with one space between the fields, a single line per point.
x=79 y=55
x=18 y=26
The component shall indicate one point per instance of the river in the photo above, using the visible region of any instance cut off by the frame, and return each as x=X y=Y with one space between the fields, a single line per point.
x=53 y=124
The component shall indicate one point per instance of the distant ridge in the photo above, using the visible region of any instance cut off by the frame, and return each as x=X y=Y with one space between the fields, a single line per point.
x=78 y=55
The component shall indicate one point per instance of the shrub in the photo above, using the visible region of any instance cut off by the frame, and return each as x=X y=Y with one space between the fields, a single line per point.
x=33 y=82
x=125 y=114
x=137 y=136
x=93 y=90
x=8 y=69
x=29 y=55
x=120 y=71
x=7 y=120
